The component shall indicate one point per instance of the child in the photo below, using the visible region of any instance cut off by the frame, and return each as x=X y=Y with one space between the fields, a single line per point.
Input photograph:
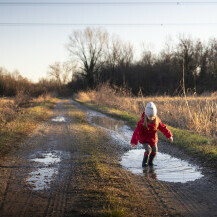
x=146 y=133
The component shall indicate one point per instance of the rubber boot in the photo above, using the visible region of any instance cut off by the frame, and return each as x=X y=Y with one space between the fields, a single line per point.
x=151 y=158
x=145 y=161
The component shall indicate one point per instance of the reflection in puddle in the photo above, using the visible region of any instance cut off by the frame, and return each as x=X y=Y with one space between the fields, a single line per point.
x=120 y=132
x=108 y=123
x=42 y=177
x=59 y=118
x=167 y=168
x=47 y=159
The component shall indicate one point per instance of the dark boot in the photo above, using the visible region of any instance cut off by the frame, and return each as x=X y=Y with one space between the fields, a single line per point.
x=151 y=158
x=145 y=161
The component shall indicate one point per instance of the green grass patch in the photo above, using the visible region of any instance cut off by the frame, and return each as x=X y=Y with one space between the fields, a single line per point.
x=191 y=142
x=114 y=212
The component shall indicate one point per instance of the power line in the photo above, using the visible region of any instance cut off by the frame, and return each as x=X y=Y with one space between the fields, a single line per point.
x=108 y=24
x=108 y=3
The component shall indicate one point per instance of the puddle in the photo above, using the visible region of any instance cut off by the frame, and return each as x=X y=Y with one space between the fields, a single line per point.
x=120 y=132
x=59 y=118
x=167 y=168
x=41 y=178
x=47 y=159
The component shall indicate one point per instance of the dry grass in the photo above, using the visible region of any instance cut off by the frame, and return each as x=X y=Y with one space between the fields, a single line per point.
x=196 y=113
x=18 y=117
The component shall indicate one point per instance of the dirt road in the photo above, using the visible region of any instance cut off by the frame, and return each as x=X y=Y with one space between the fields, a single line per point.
x=69 y=167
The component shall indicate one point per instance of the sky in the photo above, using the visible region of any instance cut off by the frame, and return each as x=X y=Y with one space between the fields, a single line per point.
x=31 y=49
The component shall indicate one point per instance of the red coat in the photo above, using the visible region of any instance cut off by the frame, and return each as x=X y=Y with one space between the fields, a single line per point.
x=148 y=135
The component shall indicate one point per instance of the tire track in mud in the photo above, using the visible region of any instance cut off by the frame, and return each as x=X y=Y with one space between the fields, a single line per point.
x=186 y=201
x=58 y=201
x=137 y=190
x=26 y=204
x=73 y=149
x=58 y=198
x=180 y=199
x=6 y=190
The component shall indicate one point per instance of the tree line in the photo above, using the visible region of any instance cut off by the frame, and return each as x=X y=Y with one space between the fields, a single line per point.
x=13 y=83
x=96 y=57
x=103 y=58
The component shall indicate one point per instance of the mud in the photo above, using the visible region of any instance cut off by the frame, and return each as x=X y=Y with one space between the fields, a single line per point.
x=46 y=169
x=56 y=172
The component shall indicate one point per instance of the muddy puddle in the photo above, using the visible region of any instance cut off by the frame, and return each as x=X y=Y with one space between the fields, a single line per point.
x=46 y=169
x=167 y=168
x=59 y=118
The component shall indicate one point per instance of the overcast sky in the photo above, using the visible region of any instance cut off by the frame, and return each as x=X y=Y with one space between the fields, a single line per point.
x=31 y=49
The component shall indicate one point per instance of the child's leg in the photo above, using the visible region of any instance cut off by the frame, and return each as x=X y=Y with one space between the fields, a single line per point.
x=154 y=150
x=148 y=149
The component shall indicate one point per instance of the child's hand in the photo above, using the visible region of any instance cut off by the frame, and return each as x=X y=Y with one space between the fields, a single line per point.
x=171 y=139
x=133 y=145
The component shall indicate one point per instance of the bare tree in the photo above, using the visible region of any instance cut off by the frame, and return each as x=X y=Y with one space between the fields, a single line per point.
x=68 y=69
x=87 y=47
x=60 y=72
x=55 y=73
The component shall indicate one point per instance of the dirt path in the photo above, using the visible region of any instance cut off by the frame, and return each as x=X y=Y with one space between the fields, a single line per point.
x=70 y=168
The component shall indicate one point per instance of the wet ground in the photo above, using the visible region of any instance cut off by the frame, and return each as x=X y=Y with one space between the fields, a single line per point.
x=53 y=173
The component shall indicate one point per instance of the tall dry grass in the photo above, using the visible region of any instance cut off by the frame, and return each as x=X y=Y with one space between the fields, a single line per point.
x=11 y=108
x=19 y=116
x=195 y=113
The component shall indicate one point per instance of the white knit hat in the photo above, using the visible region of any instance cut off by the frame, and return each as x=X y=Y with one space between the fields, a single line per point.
x=151 y=109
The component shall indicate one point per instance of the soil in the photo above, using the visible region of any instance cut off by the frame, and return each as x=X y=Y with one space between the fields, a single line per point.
x=69 y=168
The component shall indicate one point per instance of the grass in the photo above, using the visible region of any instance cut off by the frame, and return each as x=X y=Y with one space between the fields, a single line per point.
x=17 y=123
x=193 y=143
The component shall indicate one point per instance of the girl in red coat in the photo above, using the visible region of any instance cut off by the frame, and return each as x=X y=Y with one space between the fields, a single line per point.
x=146 y=133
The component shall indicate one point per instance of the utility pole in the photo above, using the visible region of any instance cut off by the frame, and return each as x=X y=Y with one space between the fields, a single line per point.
x=183 y=86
